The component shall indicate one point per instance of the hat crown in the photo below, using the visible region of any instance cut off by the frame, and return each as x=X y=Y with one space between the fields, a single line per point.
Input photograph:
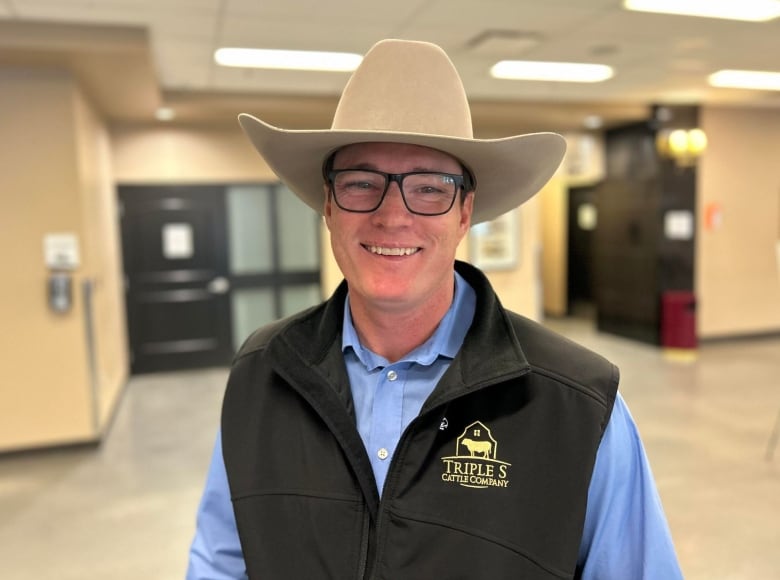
x=405 y=87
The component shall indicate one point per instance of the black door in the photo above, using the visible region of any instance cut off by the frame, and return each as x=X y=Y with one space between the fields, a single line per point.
x=175 y=260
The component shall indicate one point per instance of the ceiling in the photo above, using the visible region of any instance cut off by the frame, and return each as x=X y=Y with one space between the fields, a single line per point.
x=135 y=55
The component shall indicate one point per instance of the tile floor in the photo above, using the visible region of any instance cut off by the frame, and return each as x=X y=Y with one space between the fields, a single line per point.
x=125 y=510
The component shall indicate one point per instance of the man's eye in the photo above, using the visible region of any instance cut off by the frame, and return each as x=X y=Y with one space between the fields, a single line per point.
x=431 y=186
x=360 y=186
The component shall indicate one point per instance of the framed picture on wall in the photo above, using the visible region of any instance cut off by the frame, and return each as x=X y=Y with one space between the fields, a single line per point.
x=494 y=245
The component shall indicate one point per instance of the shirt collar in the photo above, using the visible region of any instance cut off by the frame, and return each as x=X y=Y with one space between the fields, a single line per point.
x=445 y=341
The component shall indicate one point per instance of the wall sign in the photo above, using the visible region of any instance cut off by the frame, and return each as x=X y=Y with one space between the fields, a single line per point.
x=61 y=251
x=678 y=225
x=494 y=245
x=713 y=216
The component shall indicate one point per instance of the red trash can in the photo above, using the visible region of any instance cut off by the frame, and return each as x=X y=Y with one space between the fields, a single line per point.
x=678 y=319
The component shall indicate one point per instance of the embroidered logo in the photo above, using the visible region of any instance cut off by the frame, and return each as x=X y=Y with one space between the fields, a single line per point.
x=475 y=463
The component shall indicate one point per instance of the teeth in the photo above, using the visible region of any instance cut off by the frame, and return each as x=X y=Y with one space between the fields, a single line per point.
x=392 y=251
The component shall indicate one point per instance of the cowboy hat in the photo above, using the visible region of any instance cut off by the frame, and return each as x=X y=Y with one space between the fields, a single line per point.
x=409 y=92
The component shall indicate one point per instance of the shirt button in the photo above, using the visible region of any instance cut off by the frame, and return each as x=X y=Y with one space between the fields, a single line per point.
x=382 y=453
x=392 y=375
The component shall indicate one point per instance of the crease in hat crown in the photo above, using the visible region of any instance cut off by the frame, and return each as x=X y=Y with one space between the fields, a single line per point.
x=410 y=92
x=405 y=87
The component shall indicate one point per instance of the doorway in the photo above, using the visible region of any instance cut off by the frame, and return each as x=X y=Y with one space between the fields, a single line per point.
x=206 y=265
x=582 y=224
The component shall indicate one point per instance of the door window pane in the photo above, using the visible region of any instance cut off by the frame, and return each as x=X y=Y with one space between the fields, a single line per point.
x=298 y=233
x=252 y=308
x=296 y=298
x=250 y=243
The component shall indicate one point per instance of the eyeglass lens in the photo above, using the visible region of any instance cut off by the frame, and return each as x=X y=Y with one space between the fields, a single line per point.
x=426 y=193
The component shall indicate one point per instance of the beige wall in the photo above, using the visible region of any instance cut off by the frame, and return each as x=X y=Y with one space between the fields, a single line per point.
x=519 y=288
x=54 y=179
x=737 y=277
x=170 y=154
x=554 y=202
x=102 y=260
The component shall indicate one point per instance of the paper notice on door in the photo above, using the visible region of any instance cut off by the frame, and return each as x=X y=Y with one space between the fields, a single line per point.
x=177 y=241
x=678 y=225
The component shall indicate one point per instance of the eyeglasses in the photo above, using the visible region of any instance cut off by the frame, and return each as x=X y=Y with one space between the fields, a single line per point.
x=424 y=192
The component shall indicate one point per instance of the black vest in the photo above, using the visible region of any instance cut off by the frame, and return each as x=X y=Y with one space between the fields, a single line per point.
x=489 y=481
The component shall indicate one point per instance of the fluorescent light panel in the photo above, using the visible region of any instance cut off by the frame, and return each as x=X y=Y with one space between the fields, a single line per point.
x=287 y=59
x=569 y=72
x=750 y=10
x=746 y=79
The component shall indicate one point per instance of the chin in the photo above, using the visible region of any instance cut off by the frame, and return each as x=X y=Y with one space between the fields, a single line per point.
x=390 y=292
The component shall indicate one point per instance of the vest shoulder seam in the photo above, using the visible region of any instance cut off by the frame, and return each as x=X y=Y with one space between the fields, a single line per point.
x=581 y=387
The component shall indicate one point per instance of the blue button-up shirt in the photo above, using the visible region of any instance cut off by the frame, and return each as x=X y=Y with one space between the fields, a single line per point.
x=388 y=396
x=625 y=534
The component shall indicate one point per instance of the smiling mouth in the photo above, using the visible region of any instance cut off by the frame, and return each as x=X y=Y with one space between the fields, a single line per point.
x=382 y=251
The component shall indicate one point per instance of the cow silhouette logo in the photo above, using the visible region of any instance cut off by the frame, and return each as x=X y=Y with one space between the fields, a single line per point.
x=475 y=463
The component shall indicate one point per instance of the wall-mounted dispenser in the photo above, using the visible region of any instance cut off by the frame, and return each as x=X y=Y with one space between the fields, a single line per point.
x=61 y=255
x=60 y=291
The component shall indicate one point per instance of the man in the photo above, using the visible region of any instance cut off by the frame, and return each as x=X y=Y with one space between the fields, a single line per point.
x=410 y=428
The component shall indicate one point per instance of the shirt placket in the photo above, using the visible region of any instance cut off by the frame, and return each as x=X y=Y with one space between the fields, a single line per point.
x=387 y=420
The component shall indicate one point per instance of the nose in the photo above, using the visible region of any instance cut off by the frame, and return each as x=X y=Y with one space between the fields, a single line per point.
x=393 y=210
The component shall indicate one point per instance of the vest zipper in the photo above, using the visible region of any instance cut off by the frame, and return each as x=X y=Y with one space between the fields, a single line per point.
x=380 y=516
x=364 y=546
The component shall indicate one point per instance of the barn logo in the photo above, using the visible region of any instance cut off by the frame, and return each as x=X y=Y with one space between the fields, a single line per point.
x=475 y=463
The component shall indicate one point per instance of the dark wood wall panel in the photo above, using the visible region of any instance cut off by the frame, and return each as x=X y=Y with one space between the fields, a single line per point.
x=634 y=261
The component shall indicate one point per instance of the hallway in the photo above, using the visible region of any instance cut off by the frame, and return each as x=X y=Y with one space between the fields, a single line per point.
x=125 y=510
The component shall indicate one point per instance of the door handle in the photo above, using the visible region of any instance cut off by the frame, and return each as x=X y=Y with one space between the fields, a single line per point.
x=219 y=285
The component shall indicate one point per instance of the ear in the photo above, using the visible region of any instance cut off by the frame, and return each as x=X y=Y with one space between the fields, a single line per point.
x=328 y=207
x=466 y=209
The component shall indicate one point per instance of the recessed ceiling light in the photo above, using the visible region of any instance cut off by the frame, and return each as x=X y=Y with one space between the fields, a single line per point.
x=746 y=79
x=569 y=72
x=750 y=10
x=287 y=59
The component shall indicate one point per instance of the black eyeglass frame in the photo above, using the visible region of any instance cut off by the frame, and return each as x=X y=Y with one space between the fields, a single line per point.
x=460 y=184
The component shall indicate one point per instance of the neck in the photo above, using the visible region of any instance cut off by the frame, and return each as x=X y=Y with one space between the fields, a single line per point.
x=393 y=333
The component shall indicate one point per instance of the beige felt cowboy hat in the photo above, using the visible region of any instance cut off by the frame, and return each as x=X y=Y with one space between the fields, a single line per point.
x=409 y=92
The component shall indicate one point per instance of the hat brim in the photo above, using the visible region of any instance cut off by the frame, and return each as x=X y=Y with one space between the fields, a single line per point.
x=509 y=171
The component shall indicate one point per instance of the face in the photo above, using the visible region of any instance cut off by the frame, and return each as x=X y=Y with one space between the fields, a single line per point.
x=393 y=259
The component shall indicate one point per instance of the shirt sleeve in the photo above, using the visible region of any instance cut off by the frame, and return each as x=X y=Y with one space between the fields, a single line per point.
x=626 y=534
x=215 y=553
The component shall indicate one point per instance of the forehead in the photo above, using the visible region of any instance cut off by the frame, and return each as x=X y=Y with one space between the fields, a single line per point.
x=395 y=157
